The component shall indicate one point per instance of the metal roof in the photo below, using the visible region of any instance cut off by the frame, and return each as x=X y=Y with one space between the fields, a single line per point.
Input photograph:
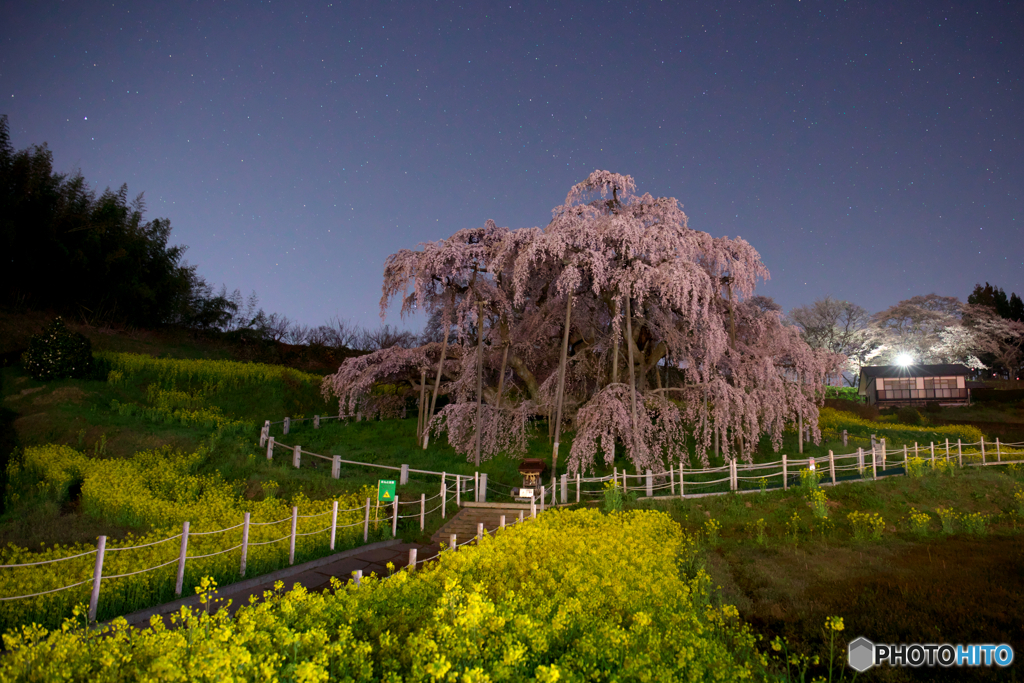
x=939 y=370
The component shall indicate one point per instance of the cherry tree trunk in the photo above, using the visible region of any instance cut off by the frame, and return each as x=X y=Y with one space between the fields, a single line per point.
x=501 y=377
x=561 y=386
x=422 y=408
x=615 y=349
x=437 y=386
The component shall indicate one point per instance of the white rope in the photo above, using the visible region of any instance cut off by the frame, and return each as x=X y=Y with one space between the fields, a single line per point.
x=278 y=540
x=219 y=552
x=34 y=564
x=55 y=590
x=118 y=576
x=286 y=519
x=207 y=533
x=135 y=547
x=311 y=533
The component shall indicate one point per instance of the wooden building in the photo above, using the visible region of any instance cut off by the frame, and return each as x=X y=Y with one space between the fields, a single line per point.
x=914 y=385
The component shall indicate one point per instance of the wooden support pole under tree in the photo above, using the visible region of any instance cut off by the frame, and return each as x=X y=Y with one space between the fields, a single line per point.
x=632 y=378
x=437 y=384
x=563 y=359
x=422 y=408
x=479 y=380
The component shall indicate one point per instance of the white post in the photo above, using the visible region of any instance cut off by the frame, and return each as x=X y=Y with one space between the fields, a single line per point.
x=287 y=424
x=181 y=560
x=394 y=520
x=883 y=454
x=933 y=454
x=732 y=474
x=291 y=543
x=97 y=577
x=366 y=522
x=906 y=469
x=483 y=487
x=844 y=438
x=543 y=494
x=270 y=448
x=476 y=487
x=264 y=433
x=565 y=489
x=458 y=491
x=982 y=450
x=452 y=542
x=336 y=466
x=959 y=453
x=412 y=559
x=520 y=516
x=917 y=454
x=682 y=493
x=358 y=576
x=403 y=475
x=533 y=507
x=650 y=484
x=999 y=455
x=874 y=464
x=316 y=422
x=296 y=456
x=245 y=544
x=479 y=532
x=334 y=523
x=423 y=511
x=444 y=501
x=501 y=521
x=785 y=474
x=947 y=450
x=577 y=487
x=832 y=467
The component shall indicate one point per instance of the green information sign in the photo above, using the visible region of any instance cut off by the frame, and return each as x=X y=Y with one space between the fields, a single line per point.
x=386 y=491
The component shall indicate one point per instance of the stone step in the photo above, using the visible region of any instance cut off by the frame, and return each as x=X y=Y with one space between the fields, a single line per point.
x=464 y=524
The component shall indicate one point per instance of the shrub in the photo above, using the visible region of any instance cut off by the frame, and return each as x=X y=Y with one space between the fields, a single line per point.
x=866 y=524
x=918 y=522
x=932 y=407
x=908 y=416
x=58 y=353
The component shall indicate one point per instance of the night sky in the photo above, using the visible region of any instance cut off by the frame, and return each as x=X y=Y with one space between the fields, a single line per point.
x=871 y=151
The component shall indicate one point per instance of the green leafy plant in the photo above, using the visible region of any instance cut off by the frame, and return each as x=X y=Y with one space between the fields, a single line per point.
x=918 y=522
x=866 y=525
x=949 y=520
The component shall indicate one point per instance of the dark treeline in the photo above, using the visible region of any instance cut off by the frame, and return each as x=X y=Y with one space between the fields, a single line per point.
x=98 y=260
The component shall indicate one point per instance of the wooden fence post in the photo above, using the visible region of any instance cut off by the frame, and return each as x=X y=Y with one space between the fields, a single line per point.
x=334 y=523
x=444 y=500
x=947 y=450
x=999 y=455
x=97 y=577
x=336 y=466
x=874 y=464
x=357 y=576
x=671 y=479
x=982 y=450
x=565 y=489
x=959 y=453
x=316 y=422
x=533 y=507
x=458 y=491
x=682 y=490
x=245 y=544
x=501 y=521
x=264 y=433
x=479 y=532
x=543 y=495
x=366 y=522
x=844 y=437
x=483 y=487
x=394 y=520
x=832 y=467
x=453 y=542
x=181 y=560
x=287 y=424
x=476 y=487
x=291 y=543
x=933 y=454
x=403 y=475
x=423 y=511
x=270 y=448
x=577 y=487
x=860 y=461
x=883 y=453
x=412 y=559
x=296 y=456
x=785 y=474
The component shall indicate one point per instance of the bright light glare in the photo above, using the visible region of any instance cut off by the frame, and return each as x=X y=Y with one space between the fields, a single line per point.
x=904 y=359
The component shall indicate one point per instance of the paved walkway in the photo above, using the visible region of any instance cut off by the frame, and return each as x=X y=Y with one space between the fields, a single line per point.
x=315 y=576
